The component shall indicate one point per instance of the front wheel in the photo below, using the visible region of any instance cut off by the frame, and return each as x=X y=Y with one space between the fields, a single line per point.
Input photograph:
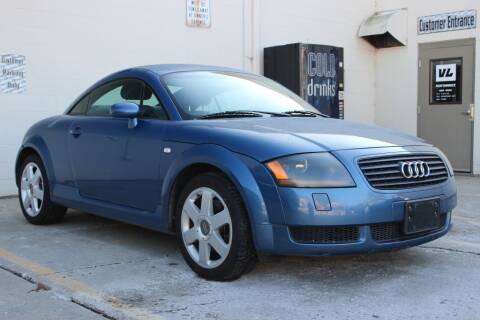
x=212 y=228
x=34 y=194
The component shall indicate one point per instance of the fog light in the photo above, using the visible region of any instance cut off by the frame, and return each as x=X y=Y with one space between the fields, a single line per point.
x=322 y=202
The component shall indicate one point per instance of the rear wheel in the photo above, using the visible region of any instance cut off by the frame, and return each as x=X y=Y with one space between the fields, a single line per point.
x=34 y=195
x=213 y=229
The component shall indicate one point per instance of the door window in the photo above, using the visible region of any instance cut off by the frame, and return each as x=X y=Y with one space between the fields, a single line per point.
x=128 y=90
x=446 y=81
x=81 y=107
x=151 y=108
x=107 y=95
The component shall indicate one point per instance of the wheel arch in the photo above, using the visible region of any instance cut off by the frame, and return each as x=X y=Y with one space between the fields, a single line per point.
x=181 y=180
x=212 y=158
x=36 y=146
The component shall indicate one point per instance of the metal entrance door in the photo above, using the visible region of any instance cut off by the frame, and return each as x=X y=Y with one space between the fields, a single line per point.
x=445 y=99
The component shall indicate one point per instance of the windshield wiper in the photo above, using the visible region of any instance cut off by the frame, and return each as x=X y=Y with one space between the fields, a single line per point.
x=255 y=113
x=305 y=113
x=230 y=114
x=273 y=114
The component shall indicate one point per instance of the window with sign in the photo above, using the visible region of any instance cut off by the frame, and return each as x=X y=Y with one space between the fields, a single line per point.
x=446 y=81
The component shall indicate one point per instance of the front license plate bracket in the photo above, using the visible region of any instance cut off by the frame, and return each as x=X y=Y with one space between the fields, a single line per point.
x=422 y=216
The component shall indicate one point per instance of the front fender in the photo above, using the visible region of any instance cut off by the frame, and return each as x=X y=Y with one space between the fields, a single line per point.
x=38 y=144
x=231 y=164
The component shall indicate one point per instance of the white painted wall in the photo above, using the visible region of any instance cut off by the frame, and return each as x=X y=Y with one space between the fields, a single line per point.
x=333 y=23
x=396 y=68
x=71 y=44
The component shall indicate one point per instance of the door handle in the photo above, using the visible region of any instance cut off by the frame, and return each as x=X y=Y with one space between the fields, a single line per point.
x=76 y=132
x=470 y=112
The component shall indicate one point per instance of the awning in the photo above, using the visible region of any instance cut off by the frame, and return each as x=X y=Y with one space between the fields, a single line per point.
x=385 y=29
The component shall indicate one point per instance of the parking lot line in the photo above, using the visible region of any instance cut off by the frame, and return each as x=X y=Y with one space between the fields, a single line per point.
x=78 y=287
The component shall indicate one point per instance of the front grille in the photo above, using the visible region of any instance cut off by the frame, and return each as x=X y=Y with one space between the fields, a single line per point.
x=393 y=231
x=325 y=234
x=380 y=232
x=384 y=172
x=386 y=231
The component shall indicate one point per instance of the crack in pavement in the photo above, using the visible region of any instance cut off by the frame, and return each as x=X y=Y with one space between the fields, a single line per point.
x=111 y=305
x=92 y=309
x=206 y=303
x=452 y=250
x=62 y=232
x=19 y=275
x=40 y=286
x=102 y=265
x=174 y=310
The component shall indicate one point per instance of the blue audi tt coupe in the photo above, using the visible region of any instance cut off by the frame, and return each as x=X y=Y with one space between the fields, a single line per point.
x=233 y=164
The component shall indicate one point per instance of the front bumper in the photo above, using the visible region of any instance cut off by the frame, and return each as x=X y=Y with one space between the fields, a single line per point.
x=276 y=239
x=361 y=207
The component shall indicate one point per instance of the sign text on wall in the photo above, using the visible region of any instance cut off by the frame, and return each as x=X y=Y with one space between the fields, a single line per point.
x=198 y=13
x=12 y=73
x=459 y=20
x=446 y=86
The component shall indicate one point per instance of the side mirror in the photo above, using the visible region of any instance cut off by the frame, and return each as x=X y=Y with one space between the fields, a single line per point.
x=126 y=110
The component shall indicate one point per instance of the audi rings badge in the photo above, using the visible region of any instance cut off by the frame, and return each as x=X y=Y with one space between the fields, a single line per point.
x=414 y=169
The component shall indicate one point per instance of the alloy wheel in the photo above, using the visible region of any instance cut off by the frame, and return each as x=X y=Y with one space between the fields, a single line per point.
x=206 y=227
x=32 y=189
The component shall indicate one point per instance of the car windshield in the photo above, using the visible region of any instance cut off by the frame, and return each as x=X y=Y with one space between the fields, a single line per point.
x=205 y=94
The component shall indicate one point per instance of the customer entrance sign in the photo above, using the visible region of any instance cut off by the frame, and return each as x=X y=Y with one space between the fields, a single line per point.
x=459 y=20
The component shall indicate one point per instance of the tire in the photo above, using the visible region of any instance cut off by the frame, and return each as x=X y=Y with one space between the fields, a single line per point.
x=34 y=193
x=227 y=222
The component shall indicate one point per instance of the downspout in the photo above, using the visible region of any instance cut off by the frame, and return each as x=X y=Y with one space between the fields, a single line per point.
x=250 y=35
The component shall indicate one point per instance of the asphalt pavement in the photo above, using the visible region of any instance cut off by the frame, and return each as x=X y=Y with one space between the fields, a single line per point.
x=93 y=268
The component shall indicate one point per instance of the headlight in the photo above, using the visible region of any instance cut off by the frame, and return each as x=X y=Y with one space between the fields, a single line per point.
x=310 y=170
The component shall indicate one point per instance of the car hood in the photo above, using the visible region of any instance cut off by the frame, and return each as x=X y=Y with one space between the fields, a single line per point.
x=270 y=137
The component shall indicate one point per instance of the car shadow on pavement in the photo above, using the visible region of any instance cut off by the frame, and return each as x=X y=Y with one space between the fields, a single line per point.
x=118 y=233
x=324 y=270
x=345 y=270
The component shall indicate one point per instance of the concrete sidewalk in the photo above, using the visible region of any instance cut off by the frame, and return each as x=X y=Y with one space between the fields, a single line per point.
x=120 y=271
x=21 y=300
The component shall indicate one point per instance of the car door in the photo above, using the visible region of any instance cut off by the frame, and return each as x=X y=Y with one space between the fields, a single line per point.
x=111 y=162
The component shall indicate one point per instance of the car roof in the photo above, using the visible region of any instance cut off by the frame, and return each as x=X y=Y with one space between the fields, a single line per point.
x=162 y=69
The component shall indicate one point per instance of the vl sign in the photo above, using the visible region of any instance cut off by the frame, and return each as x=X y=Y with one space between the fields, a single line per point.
x=451 y=21
x=446 y=72
x=446 y=81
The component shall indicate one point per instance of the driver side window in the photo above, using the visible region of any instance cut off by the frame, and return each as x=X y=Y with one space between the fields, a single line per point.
x=99 y=101
x=102 y=98
x=151 y=108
